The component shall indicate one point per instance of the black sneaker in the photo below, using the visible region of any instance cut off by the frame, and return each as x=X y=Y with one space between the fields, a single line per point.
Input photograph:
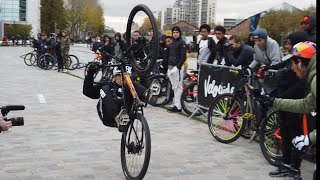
x=246 y=134
x=282 y=171
x=294 y=174
x=174 y=109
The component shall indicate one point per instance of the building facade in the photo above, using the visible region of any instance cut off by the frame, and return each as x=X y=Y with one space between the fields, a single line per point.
x=157 y=15
x=20 y=12
x=207 y=11
x=182 y=10
x=229 y=23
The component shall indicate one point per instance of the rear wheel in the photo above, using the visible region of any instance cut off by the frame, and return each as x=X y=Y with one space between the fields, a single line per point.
x=225 y=118
x=144 y=53
x=75 y=62
x=189 y=99
x=161 y=89
x=136 y=148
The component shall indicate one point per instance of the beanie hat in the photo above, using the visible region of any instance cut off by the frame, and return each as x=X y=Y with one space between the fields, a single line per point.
x=176 y=28
x=260 y=33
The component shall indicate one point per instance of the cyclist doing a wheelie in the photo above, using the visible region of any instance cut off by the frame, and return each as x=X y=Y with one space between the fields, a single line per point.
x=110 y=95
x=303 y=63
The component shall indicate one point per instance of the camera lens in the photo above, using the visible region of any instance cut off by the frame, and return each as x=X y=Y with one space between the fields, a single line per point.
x=18 y=121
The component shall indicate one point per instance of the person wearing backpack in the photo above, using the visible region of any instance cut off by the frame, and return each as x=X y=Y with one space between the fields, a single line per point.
x=206 y=50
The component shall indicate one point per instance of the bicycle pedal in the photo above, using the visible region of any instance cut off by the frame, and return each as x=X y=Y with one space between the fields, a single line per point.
x=155 y=89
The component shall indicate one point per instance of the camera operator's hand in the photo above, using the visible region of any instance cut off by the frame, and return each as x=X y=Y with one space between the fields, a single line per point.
x=5 y=125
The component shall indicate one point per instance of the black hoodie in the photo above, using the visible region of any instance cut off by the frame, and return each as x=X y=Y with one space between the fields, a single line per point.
x=299 y=36
x=177 y=50
x=120 y=41
x=106 y=50
x=312 y=30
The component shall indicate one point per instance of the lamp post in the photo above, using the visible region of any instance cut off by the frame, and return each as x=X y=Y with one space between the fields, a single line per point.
x=281 y=47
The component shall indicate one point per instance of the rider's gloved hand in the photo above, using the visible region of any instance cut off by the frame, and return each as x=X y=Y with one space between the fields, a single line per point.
x=301 y=142
x=266 y=68
x=260 y=73
x=93 y=68
x=266 y=100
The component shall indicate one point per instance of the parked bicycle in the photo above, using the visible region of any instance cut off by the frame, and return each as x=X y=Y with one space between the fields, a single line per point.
x=31 y=57
x=232 y=113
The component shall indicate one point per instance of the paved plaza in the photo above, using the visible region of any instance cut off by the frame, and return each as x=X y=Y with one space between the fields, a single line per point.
x=64 y=139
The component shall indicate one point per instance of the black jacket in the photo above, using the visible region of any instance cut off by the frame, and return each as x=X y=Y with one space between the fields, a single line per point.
x=177 y=53
x=105 y=51
x=242 y=56
x=220 y=50
x=139 y=45
x=109 y=104
x=164 y=54
x=288 y=84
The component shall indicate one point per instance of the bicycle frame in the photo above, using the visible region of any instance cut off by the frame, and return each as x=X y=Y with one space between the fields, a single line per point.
x=249 y=112
x=126 y=80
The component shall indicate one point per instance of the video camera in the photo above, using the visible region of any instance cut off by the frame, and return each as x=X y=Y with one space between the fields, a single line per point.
x=16 y=121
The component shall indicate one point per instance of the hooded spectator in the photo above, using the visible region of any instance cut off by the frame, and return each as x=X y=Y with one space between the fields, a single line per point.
x=308 y=23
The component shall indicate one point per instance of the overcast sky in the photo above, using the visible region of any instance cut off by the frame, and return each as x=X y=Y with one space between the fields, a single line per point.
x=116 y=12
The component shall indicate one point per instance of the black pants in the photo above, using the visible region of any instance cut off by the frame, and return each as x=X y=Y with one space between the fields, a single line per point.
x=60 y=62
x=112 y=104
x=291 y=124
x=290 y=127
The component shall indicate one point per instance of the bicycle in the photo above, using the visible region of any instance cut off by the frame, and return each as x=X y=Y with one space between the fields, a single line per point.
x=270 y=140
x=189 y=96
x=136 y=140
x=230 y=113
x=31 y=57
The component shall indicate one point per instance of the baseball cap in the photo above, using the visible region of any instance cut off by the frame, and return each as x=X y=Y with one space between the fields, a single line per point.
x=306 y=20
x=303 y=49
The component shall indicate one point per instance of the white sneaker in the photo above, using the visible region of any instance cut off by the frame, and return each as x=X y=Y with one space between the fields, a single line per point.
x=65 y=70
